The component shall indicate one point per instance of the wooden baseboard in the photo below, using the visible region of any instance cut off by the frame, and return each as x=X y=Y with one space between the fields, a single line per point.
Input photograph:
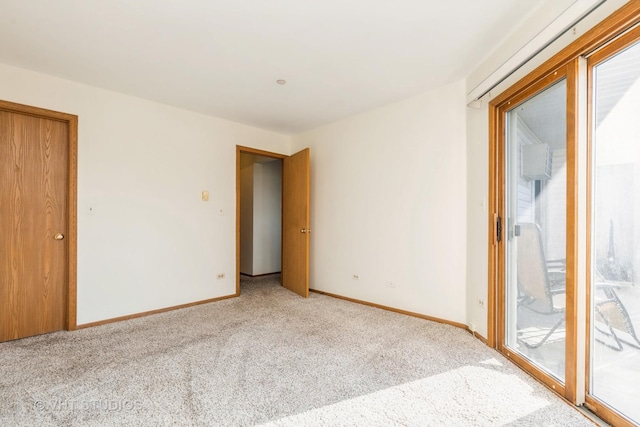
x=357 y=301
x=477 y=335
x=395 y=310
x=149 y=313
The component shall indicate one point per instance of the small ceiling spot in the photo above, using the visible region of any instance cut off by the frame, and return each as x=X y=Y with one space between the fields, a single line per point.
x=281 y=82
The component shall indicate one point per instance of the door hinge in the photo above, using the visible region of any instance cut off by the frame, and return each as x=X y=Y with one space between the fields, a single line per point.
x=499 y=229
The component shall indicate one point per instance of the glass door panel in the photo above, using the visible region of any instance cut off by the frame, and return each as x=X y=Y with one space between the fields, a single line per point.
x=615 y=242
x=535 y=229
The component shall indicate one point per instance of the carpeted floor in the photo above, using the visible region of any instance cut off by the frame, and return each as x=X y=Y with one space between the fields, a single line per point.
x=270 y=357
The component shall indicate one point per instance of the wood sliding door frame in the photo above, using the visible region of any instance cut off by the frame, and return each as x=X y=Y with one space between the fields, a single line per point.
x=598 y=57
x=246 y=150
x=71 y=236
x=568 y=73
x=611 y=35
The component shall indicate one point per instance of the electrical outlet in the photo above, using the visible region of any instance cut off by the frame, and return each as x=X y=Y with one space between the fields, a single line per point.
x=472 y=326
x=220 y=276
x=481 y=303
x=356 y=277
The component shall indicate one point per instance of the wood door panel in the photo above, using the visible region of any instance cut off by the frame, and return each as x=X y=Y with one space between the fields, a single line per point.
x=295 y=217
x=33 y=195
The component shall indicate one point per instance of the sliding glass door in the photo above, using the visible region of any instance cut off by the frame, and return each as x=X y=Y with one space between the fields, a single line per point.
x=564 y=248
x=614 y=365
x=534 y=229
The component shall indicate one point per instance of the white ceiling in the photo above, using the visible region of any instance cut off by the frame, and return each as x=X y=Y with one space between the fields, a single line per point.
x=223 y=57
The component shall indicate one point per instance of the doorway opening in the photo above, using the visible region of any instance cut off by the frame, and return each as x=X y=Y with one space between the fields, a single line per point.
x=260 y=215
x=294 y=218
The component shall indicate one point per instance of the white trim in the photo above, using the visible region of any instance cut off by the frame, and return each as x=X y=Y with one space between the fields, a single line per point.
x=567 y=19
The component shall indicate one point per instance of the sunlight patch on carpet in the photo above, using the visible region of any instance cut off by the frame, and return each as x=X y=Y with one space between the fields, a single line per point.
x=486 y=397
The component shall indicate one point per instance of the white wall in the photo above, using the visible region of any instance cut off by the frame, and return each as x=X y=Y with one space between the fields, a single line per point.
x=477 y=219
x=478 y=145
x=388 y=203
x=398 y=195
x=260 y=215
x=152 y=242
x=527 y=29
x=267 y=217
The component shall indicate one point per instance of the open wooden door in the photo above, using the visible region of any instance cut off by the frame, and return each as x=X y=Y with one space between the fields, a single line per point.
x=35 y=152
x=295 y=223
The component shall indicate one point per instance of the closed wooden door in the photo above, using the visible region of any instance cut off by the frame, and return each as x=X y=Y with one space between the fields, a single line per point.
x=33 y=223
x=295 y=223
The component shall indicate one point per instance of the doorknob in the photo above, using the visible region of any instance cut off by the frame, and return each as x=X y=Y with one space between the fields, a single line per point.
x=304 y=230
x=59 y=236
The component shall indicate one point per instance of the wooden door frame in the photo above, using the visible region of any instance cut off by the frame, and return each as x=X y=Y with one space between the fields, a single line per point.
x=71 y=294
x=247 y=150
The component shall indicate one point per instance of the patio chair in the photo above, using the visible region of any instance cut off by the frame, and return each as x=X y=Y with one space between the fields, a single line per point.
x=541 y=286
x=611 y=313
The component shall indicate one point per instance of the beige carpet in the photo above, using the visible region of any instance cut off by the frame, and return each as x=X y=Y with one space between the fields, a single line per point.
x=270 y=357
